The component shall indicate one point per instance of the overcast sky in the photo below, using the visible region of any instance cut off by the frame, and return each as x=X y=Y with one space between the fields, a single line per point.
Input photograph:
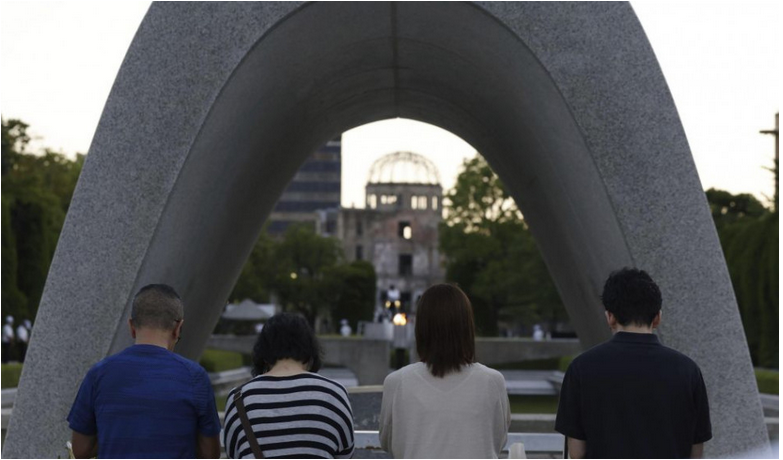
x=721 y=59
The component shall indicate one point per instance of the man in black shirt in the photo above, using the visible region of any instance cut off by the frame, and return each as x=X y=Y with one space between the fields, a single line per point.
x=632 y=397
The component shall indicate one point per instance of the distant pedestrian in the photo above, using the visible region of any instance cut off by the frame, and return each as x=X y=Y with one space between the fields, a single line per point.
x=22 y=339
x=146 y=401
x=345 y=328
x=393 y=295
x=8 y=338
x=632 y=397
x=538 y=333
x=447 y=405
x=291 y=411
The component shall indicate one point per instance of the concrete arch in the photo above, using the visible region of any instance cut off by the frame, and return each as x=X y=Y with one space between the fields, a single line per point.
x=216 y=105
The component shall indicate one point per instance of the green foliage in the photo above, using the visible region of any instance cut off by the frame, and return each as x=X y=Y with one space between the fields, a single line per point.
x=564 y=362
x=36 y=194
x=10 y=375
x=727 y=209
x=14 y=140
x=547 y=364
x=254 y=281
x=479 y=199
x=303 y=278
x=14 y=301
x=769 y=286
x=751 y=251
x=749 y=236
x=356 y=300
x=533 y=404
x=220 y=360
x=307 y=273
x=767 y=381
x=36 y=222
x=491 y=254
x=220 y=401
x=405 y=357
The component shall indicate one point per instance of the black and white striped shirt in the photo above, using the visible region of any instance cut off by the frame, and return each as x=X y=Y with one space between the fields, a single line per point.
x=298 y=416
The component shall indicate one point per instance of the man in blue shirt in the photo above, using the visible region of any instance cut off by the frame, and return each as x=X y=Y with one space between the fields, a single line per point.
x=146 y=401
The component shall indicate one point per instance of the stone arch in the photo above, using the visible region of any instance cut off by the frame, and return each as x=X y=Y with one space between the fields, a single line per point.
x=216 y=105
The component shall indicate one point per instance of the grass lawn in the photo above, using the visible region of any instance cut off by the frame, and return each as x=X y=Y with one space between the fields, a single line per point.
x=219 y=360
x=533 y=404
x=220 y=402
x=11 y=374
x=550 y=364
x=768 y=381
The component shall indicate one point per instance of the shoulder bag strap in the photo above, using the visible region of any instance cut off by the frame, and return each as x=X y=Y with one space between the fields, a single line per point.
x=249 y=434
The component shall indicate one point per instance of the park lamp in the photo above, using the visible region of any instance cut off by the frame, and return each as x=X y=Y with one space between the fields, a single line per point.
x=400 y=319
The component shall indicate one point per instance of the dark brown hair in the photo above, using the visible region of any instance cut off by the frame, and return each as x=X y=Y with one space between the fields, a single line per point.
x=445 y=334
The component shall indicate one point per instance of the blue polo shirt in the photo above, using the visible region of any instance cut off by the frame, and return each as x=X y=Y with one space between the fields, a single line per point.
x=145 y=402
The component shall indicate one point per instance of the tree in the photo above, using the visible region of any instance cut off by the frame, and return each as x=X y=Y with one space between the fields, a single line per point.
x=748 y=234
x=303 y=277
x=356 y=299
x=258 y=272
x=491 y=253
x=751 y=250
x=36 y=194
x=479 y=200
x=727 y=208
x=306 y=272
x=769 y=286
x=14 y=300
x=14 y=141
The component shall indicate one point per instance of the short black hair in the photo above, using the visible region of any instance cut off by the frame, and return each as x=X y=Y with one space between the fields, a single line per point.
x=632 y=297
x=286 y=336
x=157 y=306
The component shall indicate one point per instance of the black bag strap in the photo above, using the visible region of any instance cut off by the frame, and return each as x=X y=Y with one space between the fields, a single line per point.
x=565 y=447
x=249 y=434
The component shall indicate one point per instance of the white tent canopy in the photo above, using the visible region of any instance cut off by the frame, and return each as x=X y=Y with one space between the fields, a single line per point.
x=247 y=310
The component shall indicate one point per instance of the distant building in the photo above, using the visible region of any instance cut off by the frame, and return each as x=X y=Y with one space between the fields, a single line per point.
x=398 y=230
x=315 y=186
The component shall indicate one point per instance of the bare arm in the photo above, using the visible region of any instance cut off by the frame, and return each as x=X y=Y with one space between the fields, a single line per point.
x=577 y=448
x=697 y=450
x=84 y=446
x=207 y=446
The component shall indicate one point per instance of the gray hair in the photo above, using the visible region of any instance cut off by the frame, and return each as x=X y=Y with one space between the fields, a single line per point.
x=157 y=306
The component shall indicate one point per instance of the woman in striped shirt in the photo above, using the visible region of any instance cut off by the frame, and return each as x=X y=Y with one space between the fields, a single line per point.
x=293 y=412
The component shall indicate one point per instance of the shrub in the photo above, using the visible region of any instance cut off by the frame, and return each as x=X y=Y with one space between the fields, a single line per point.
x=565 y=361
x=767 y=380
x=219 y=360
x=11 y=374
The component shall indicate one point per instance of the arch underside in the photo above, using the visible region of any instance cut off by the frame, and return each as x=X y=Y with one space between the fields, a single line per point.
x=217 y=105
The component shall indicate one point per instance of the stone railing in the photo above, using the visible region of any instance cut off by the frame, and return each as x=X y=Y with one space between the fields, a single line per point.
x=551 y=445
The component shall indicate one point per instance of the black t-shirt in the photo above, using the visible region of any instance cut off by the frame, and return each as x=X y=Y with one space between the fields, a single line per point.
x=632 y=397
